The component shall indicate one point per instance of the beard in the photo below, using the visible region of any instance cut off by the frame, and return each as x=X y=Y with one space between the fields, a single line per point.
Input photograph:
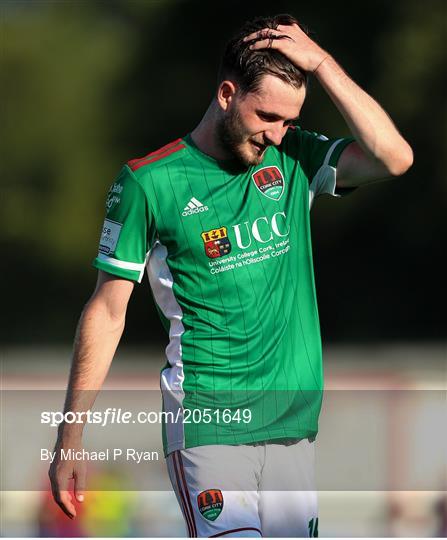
x=234 y=139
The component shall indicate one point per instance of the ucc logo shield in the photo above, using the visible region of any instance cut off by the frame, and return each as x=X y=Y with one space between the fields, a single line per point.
x=270 y=182
x=210 y=503
x=216 y=242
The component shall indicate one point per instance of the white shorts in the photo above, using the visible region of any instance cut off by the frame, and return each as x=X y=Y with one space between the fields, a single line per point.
x=265 y=489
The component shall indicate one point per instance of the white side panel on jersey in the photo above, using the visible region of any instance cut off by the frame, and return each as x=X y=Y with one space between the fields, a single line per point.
x=325 y=178
x=161 y=282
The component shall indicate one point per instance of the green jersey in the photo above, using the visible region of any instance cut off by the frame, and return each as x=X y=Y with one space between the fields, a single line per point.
x=229 y=259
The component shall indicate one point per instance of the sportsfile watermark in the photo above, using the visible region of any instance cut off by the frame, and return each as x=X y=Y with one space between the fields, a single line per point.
x=113 y=415
x=387 y=440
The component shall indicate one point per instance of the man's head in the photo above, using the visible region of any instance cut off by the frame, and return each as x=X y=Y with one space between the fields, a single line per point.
x=259 y=95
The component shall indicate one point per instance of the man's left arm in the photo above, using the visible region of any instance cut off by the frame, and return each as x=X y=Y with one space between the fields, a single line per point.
x=379 y=150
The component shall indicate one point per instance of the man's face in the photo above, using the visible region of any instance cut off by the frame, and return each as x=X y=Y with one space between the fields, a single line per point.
x=258 y=120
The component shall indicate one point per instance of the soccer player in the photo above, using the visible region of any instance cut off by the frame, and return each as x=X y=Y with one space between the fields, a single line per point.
x=219 y=218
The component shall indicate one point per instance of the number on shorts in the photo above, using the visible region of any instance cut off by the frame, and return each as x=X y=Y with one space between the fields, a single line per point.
x=313 y=528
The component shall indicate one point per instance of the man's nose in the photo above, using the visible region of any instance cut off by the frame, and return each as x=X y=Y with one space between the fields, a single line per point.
x=274 y=135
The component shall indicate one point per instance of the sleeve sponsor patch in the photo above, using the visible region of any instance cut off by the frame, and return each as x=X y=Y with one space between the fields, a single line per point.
x=113 y=197
x=109 y=237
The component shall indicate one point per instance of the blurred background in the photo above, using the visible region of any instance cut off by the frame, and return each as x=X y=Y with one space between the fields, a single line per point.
x=86 y=86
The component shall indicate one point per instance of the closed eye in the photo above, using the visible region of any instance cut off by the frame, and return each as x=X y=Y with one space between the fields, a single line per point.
x=273 y=118
x=268 y=117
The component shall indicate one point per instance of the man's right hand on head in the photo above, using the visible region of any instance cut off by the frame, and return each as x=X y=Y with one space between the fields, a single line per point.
x=61 y=472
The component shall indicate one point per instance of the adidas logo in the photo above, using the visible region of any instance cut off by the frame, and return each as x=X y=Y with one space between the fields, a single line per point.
x=194 y=207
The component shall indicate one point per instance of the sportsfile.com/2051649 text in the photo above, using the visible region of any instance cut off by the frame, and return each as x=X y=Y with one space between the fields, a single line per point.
x=113 y=415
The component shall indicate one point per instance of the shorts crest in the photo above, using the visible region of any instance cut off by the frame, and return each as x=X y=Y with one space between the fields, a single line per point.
x=210 y=503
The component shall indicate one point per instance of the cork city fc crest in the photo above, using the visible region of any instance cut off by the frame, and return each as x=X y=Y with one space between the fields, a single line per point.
x=270 y=182
x=210 y=503
x=217 y=243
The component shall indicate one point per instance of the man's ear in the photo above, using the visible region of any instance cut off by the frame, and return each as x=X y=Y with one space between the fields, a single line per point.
x=225 y=94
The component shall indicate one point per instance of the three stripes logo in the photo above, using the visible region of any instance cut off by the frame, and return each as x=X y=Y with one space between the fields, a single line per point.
x=194 y=207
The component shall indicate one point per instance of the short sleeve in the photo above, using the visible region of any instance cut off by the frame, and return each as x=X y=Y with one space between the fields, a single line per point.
x=318 y=157
x=128 y=230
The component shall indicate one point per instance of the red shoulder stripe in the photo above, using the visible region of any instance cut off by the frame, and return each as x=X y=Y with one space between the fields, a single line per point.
x=156 y=157
x=159 y=151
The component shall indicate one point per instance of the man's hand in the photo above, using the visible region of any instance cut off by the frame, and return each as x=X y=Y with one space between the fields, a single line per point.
x=61 y=473
x=292 y=42
x=99 y=331
x=380 y=151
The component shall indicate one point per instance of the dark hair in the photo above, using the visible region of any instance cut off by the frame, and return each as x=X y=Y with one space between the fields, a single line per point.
x=247 y=67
